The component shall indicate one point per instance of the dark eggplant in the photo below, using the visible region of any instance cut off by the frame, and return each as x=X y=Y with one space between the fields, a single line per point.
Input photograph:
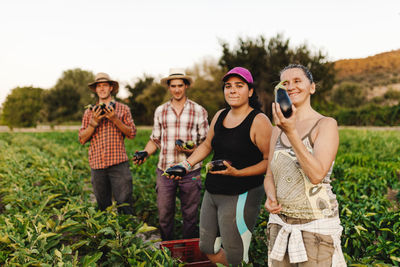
x=179 y=142
x=217 y=165
x=282 y=97
x=175 y=170
x=186 y=145
x=140 y=155
x=102 y=106
x=189 y=144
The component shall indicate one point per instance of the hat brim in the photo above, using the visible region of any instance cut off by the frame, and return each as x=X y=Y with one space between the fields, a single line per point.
x=115 y=85
x=164 y=81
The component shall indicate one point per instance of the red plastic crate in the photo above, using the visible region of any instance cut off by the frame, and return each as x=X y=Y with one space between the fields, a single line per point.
x=187 y=250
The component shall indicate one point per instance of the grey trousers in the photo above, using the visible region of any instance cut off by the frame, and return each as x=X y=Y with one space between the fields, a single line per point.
x=231 y=220
x=188 y=190
x=114 y=181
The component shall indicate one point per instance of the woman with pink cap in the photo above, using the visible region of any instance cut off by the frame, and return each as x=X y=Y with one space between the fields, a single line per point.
x=239 y=135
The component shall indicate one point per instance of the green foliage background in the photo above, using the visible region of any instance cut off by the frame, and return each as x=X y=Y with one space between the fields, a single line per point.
x=21 y=109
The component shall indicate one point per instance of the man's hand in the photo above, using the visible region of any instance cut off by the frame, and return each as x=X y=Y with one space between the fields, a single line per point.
x=96 y=117
x=140 y=157
x=110 y=113
x=172 y=172
x=181 y=149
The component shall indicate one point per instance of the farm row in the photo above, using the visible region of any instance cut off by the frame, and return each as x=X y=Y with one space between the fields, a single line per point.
x=48 y=219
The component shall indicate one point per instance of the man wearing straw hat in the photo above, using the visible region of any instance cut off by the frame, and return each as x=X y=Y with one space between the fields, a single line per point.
x=179 y=118
x=106 y=127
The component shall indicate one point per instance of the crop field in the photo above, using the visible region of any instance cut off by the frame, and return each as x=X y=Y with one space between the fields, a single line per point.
x=48 y=217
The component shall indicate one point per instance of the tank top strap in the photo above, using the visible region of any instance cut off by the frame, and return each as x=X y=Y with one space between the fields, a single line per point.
x=221 y=117
x=310 y=131
x=248 y=121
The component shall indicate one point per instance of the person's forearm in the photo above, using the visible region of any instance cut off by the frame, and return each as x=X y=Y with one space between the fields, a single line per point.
x=125 y=129
x=86 y=134
x=310 y=165
x=269 y=186
x=150 y=147
x=257 y=169
x=201 y=152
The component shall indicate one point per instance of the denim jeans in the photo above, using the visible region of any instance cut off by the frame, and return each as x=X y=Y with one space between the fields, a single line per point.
x=114 y=181
x=188 y=191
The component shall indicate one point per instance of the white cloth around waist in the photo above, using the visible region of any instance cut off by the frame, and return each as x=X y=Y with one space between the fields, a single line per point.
x=296 y=248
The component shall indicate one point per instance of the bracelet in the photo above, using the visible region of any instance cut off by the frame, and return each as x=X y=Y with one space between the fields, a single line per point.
x=188 y=166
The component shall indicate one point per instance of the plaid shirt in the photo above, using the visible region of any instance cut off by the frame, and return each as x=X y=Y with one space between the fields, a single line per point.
x=191 y=124
x=107 y=147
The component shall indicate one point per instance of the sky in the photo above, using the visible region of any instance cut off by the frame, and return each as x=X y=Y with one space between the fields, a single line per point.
x=127 y=38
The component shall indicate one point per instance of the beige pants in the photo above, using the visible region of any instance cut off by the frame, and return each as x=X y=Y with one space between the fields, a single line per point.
x=319 y=247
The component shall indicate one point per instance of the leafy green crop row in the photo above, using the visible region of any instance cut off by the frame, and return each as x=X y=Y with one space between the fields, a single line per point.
x=47 y=218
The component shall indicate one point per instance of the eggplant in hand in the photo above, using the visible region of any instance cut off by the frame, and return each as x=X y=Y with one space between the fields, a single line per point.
x=217 y=165
x=186 y=145
x=189 y=144
x=282 y=97
x=179 y=142
x=102 y=106
x=140 y=155
x=176 y=170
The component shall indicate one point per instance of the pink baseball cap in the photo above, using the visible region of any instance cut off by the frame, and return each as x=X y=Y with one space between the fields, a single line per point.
x=240 y=71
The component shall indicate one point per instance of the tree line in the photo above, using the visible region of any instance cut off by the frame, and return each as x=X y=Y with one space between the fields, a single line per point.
x=66 y=101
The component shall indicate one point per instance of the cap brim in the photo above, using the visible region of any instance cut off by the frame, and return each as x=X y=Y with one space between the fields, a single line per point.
x=234 y=74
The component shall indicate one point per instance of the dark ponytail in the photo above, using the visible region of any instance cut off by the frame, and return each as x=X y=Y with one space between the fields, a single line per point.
x=253 y=99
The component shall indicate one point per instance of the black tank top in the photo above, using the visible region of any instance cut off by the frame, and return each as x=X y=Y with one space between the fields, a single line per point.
x=234 y=144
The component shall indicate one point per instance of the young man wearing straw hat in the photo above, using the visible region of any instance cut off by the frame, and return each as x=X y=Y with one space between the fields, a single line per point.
x=179 y=118
x=106 y=127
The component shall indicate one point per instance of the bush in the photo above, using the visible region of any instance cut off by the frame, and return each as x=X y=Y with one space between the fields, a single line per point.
x=349 y=94
x=368 y=115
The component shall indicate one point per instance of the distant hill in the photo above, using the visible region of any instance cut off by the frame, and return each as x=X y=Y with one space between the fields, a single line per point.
x=381 y=66
x=378 y=75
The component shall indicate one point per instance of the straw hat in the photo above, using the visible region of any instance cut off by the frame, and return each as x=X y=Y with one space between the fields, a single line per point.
x=102 y=77
x=176 y=73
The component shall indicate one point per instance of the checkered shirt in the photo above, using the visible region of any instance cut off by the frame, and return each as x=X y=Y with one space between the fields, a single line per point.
x=107 y=147
x=191 y=124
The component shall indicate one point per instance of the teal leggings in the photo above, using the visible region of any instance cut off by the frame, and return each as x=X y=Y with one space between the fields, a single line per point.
x=228 y=220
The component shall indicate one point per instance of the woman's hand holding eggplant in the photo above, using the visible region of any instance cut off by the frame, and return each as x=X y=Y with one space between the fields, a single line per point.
x=287 y=125
x=230 y=170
